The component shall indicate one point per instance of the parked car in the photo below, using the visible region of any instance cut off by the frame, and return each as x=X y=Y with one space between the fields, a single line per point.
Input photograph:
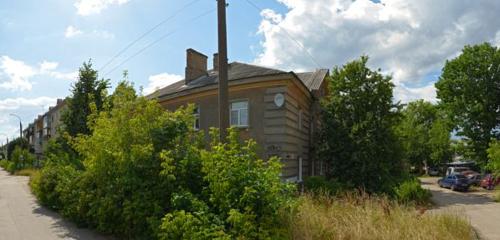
x=489 y=182
x=474 y=179
x=432 y=171
x=454 y=182
x=456 y=170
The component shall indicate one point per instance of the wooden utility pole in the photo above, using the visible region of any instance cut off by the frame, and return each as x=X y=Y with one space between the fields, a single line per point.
x=223 y=75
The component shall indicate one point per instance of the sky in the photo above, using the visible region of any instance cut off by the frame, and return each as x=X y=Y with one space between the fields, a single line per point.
x=43 y=43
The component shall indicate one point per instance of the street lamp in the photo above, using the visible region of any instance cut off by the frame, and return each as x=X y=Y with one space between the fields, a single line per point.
x=20 y=125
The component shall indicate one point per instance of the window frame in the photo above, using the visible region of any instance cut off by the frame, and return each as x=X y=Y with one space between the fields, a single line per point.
x=196 y=116
x=239 y=125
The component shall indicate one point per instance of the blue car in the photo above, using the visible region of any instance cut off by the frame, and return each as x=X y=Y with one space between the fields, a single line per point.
x=454 y=182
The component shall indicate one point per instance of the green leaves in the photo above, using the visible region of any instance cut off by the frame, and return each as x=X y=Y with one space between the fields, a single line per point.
x=425 y=134
x=357 y=136
x=469 y=89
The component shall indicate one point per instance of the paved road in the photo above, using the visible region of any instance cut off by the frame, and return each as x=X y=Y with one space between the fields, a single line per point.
x=22 y=218
x=483 y=213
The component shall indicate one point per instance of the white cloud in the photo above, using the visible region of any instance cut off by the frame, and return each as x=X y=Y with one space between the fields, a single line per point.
x=26 y=108
x=89 y=7
x=17 y=74
x=16 y=103
x=408 y=39
x=160 y=80
x=72 y=32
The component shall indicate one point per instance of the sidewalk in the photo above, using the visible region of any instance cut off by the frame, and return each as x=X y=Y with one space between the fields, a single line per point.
x=22 y=218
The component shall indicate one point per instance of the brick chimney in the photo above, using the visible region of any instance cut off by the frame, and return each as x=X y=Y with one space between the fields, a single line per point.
x=196 y=65
x=216 y=62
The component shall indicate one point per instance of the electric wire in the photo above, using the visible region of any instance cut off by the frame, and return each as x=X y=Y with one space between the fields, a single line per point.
x=156 y=41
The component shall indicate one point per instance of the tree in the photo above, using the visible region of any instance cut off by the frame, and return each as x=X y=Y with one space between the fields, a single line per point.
x=86 y=92
x=469 y=89
x=425 y=135
x=494 y=156
x=357 y=138
x=18 y=142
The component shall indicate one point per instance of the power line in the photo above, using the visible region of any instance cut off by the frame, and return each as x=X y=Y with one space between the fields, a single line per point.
x=148 y=32
x=156 y=41
x=288 y=35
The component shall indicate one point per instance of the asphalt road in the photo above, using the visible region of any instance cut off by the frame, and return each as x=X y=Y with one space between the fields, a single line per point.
x=22 y=218
x=482 y=211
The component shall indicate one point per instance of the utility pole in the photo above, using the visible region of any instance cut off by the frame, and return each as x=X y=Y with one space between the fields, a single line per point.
x=223 y=75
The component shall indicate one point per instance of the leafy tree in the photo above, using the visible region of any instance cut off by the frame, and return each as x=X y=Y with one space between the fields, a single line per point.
x=425 y=134
x=147 y=174
x=86 y=92
x=469 y=89
x=494 y=156
x=358 y=140
x=16 y=143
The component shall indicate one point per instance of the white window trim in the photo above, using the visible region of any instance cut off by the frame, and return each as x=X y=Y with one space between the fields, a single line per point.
x=196 y=116
x=239 y=125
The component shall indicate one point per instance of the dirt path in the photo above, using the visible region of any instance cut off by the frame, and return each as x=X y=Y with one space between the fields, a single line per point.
x=483 y=213
x=21 y=218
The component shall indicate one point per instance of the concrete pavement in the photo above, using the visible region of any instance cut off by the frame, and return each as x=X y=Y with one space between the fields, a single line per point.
x=22 y=218
x=482 y=211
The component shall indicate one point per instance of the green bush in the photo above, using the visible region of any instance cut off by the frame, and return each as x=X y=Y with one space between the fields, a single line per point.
x=410 y=191
x=4 y=164
x=157 y=180
x=242 y=198
x=320 y=185
x=21 y=158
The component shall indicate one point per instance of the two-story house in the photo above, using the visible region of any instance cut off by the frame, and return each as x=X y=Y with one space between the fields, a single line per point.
x=278 y=109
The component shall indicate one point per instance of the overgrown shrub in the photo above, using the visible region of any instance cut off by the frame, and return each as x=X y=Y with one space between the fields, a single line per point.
x=146 y=174
x=21 y=158
x=241 y=200
x=320 y=185
x=4 y=163
x=410 y=191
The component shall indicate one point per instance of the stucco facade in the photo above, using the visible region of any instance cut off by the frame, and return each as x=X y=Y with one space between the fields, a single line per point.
x=285 y=130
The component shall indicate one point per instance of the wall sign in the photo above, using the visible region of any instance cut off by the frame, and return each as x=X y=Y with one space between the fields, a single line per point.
x=279 y=99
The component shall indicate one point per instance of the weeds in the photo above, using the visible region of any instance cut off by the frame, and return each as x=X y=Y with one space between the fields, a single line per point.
x=363 y=217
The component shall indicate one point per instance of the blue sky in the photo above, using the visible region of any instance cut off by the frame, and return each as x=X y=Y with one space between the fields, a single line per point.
x=42 y=43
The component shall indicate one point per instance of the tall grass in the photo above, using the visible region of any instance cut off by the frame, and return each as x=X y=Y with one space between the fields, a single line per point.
x=361 y=217
x=496 y=196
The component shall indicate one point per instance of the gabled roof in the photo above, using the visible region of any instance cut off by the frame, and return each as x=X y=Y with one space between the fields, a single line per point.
x=237 y=71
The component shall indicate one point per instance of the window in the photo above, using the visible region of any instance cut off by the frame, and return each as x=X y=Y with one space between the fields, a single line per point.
x=196 y=116
x=239 y=114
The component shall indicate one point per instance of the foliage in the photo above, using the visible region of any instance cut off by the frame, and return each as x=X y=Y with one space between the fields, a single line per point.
x=321 y=185
x=18 y=142
x=28 y=172
x=86 y=92
x=241 y=199
x=371 y=218
x=468 y=90
x=494 y=156
x=357 y=136
x=411 y=191
x=146 y=175
x=21 y=158
x=425 y=135
x=4 y=163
